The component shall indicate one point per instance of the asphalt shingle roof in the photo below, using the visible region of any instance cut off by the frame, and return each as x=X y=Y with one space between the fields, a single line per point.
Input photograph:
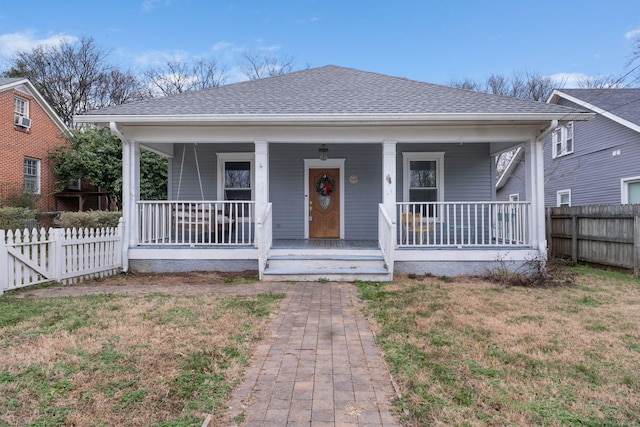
x=331 y=90
x=624 y=103
x=8 y=80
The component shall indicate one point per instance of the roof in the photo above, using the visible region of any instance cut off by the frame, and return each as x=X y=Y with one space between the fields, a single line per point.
x=620 y=105
x=8 y=80
x=331 y=91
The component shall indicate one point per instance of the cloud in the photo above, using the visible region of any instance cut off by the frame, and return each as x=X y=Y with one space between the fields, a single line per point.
x=632 y=34
x=221 y=46
x=27 y=40
x=154 y=58
x=574 y=80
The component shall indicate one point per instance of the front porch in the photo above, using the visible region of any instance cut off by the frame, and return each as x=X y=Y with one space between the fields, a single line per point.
x=437 y=238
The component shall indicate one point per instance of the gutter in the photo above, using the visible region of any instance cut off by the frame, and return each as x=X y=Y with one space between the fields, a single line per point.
x=328 y=118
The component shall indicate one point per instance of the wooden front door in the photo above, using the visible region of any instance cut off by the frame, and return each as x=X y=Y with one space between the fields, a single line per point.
x=324 y=203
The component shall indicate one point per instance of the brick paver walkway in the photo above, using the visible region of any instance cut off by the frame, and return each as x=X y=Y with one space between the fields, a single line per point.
x=317 y=365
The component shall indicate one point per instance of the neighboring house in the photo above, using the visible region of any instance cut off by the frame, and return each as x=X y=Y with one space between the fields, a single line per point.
x=331 y=173
x=593 y=162
x=29 y=129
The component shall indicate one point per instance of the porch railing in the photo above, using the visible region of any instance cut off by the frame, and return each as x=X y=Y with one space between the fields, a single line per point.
x=457 y=224
x=386 y=238
x=194 y=223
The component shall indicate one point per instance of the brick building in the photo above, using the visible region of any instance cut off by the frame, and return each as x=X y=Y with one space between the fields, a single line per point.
x=29 y=130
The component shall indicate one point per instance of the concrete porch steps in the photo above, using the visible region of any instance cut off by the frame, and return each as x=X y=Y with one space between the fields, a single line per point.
x=316 y=265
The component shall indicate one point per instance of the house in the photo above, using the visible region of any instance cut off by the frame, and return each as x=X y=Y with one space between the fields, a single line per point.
x=29 y=129
x=593 y=162
x=332 y=173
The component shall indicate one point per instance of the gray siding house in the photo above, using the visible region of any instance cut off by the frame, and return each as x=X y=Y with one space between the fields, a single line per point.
x=332 y=173
x=592 y=162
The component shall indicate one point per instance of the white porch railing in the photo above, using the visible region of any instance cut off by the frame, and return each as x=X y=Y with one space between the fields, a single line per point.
x=194 y=223
x=386 y=238
x=445 y=224
x=264 y=236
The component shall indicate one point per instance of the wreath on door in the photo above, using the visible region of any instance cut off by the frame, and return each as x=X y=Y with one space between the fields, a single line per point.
x=325 y=186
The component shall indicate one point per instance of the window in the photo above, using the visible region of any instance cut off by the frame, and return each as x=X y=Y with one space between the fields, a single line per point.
x=631 y=190
x=564 y=198
x=423 y=178
x=235 y=176
x=20 y=111
x=562 y=139
x=514 y=197
x=31 y=176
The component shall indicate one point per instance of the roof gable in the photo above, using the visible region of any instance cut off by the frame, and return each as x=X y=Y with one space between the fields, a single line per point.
x=24 y=85
x=332 y=90
x=619 y=105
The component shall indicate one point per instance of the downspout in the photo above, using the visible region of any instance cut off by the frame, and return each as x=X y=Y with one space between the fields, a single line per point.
x=547 y=131
x=126 y=181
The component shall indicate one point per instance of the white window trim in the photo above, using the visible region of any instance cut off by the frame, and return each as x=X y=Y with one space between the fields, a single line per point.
x=562 y=132
x=407 y=157
x=17 y=114
x=38 y=173
x=514 y=197
x=561 y=193
x=624 y=188
x=235 y=157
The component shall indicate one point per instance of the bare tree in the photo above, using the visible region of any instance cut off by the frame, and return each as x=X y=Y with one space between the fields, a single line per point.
x=599 y=82
x=73 y=77
x=257 y=66
x=525 y=85
x=179 y=76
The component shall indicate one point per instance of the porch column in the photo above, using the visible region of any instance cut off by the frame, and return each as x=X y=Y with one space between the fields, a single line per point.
x=130 y=191
x=534 y=162
x=261 y=177
x=389 y=178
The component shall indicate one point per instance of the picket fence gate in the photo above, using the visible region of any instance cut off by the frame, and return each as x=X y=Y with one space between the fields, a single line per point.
x=30 y=257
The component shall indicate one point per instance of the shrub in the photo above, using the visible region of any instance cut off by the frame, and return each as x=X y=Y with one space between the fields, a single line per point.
x=90 y=219
x=16 y=218
x=22 y=199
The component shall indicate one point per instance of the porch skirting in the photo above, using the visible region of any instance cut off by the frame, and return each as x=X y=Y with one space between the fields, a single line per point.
x=181 y=260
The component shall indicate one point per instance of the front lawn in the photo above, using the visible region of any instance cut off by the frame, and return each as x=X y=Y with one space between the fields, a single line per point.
x=470 y=352
x=119 y=360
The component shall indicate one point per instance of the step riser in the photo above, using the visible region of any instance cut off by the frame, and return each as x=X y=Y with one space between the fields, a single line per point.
x=386 y=277
x=319 y=264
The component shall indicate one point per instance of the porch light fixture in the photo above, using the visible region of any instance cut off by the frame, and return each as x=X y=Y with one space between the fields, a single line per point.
x=324 y=152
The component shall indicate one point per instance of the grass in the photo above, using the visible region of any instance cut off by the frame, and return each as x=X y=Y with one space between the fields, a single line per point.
x=153 y=360
x=475 y=353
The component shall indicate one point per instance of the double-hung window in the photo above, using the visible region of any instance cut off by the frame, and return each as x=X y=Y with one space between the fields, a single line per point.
x=423 y=180
x=21 y=112
x=235 y=176
x=562 y=138
x=31 y=175
x=630 y=190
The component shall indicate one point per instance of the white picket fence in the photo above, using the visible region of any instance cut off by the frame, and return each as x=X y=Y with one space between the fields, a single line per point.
x=30 y=257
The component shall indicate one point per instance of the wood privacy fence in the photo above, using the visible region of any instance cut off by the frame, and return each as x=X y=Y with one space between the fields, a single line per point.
x=30 y=257
x=600 y=234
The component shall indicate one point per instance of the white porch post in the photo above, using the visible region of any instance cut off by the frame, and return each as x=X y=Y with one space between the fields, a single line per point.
x=261 y=177
x=389 y=178
x=130 y=190
x=534 y=161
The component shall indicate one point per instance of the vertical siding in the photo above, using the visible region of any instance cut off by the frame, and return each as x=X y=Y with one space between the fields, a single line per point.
x=592 y=173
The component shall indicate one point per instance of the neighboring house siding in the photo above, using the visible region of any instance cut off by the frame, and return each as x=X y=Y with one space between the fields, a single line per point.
x=592 y=172
x=515 y=184
x=15 y=145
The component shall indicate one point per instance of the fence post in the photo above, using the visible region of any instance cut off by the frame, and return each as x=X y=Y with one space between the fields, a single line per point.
x=4 y=263
x=574 y=237
x=56 y=260
x=549 y=228
x=636 y=245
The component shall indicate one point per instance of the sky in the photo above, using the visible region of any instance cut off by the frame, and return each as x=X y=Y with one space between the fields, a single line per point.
x=433 y=41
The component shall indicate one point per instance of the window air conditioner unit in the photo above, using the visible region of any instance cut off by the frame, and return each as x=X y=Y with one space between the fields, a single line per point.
x=24 y=122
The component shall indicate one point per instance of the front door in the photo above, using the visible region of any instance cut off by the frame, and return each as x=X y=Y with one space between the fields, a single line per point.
x=324 y=203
